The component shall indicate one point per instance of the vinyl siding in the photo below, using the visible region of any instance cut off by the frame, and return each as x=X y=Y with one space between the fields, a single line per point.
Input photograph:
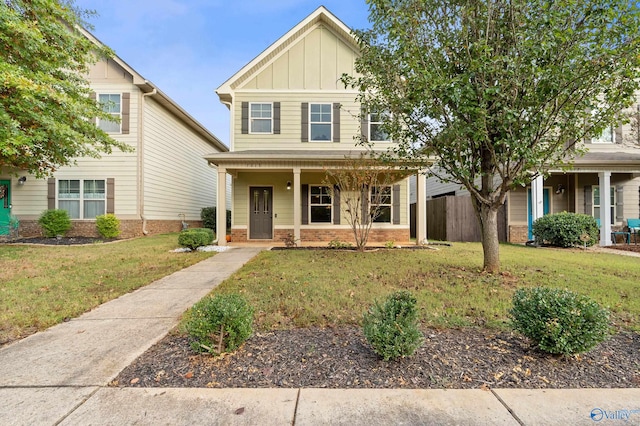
x=177 y=178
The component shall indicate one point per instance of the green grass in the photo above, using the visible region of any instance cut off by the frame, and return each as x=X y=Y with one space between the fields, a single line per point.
x=328 y=288
x=42 y=285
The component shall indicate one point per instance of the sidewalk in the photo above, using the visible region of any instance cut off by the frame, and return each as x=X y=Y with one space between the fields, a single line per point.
x=61 y=376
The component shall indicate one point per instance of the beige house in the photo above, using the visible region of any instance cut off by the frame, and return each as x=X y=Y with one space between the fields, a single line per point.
x=153 y=189
x=291 y=120
x=611 y=166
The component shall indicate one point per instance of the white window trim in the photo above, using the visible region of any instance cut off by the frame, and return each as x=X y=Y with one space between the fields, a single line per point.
x=390 y=205
x=119 y=115
x=613 y=203
x=311 y=123
x=81 y=198
x=251 y=132
x=371 y=122
x=321 y=205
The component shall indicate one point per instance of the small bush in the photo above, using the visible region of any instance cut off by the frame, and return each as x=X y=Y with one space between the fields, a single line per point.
x=337 y=244
x=566 y=229
x=392 y=328
x=220 y=323
x=108 y=225
x=559 y=321
x=209 y=218
x=195 y=237
x=54 y=222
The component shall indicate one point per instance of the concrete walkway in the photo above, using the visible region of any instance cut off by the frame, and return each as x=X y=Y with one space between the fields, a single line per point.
x=61 y=376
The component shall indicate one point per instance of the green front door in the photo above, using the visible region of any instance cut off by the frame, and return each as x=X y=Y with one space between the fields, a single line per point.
x=5 y=206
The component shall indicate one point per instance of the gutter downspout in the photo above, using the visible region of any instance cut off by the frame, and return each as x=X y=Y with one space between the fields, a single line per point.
x=141 y=161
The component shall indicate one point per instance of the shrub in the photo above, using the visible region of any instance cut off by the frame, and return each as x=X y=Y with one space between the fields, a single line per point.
x=566 y=229
x=195 y=237
x=337 y=244
x=220 y=323
x=108 y=225
x=209 y=218
x=54 y=222
x=559 y=321
x=392 y=328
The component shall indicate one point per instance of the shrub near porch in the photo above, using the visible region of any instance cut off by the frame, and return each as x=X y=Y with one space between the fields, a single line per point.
x=305 y=288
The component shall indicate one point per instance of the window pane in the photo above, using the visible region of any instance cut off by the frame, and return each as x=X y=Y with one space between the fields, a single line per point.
x=260 y=126
x=94 y=189
x=69 y=189
x=320 y=132
x=109 y=126
x=321 y=214
x=384 y=215
x=71 y=206
x=110 y=103
x=93 y=208
x=260 y=110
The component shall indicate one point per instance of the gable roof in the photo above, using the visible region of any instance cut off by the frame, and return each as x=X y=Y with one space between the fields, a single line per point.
x=163 y=99
x=320 y=16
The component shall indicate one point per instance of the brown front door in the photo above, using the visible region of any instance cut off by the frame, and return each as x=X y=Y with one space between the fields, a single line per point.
x=261 y=211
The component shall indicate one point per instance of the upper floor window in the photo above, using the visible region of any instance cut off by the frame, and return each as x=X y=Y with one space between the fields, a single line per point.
x=320 y=122
x=376 y=132
x=608 y=136
x=381 y=203
x=111 y=103
x=82 y=199
x=320 y=204
x=261 y=117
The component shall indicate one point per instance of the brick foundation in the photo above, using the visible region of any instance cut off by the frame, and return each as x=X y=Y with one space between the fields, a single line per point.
x=518 y=233
x=326 y=235
x=129 y=228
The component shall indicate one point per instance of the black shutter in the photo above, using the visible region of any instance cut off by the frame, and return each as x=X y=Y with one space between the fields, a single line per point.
x=110 y=195
x=276 y=118
x=364 y=196
x=126 y=112
x=336 y=205
x=244 y=119
x=364 y=125
x=336 y=122
x=51 y=193
x=304 y=123
x=588 y=200
x=305 y=204
x=395 y=211
x=619 y=203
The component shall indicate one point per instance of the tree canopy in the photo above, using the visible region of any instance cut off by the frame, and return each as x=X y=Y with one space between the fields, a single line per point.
x=46 y=115
x=498 y=91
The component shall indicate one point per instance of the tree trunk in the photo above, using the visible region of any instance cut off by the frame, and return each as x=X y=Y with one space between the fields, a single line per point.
x=488 y=216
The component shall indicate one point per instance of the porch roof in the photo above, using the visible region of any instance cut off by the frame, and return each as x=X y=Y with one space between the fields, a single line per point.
x=606 y=161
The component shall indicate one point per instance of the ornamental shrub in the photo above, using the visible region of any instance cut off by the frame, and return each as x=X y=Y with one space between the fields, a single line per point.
x=220 y=323
x=566 y=229
x=108 y=225
x=54 y=222
x=195 y=237
x=559 y=321
x=209 y=218
x=391 y=328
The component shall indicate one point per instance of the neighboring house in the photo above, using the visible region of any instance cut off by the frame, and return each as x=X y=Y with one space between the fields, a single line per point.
x=291 y=120
x=611 y=166
x=164 y=181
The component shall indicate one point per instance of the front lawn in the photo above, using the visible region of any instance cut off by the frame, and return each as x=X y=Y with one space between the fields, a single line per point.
x=322 y=288
x=42 y=285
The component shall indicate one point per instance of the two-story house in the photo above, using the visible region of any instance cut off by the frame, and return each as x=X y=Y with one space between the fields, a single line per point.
x=292 y=119
x=161 y=183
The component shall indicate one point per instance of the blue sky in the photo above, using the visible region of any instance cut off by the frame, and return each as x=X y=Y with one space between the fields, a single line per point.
x=190 y=47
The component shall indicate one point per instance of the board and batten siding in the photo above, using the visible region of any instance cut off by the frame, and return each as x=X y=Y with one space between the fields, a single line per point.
x=177 y=177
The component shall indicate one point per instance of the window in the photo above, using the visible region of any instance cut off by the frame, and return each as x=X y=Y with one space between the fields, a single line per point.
x=261 y=118
x=320 y=204
x=82 y=199
x=596 y=203
x=376 y=133
x=380 y=202
x=111 y=104
x=608 y=136
x=320 y=122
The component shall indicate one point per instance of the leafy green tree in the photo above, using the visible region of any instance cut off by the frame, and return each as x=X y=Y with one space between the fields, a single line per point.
x=46 y=115
x=497 y=91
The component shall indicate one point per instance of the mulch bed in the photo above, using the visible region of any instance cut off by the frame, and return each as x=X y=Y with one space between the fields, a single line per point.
x=341 y=358
x=64 y=241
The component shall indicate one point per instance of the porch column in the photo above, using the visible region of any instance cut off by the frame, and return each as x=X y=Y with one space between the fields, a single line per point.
x=297 y=204
x=537 y=200
x=605 y=208
x=421 y=208
x=221 y=207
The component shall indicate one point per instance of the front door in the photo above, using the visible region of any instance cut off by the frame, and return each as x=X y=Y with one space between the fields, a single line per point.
x=545 y=208
x=261 y=213
x=5 y=206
